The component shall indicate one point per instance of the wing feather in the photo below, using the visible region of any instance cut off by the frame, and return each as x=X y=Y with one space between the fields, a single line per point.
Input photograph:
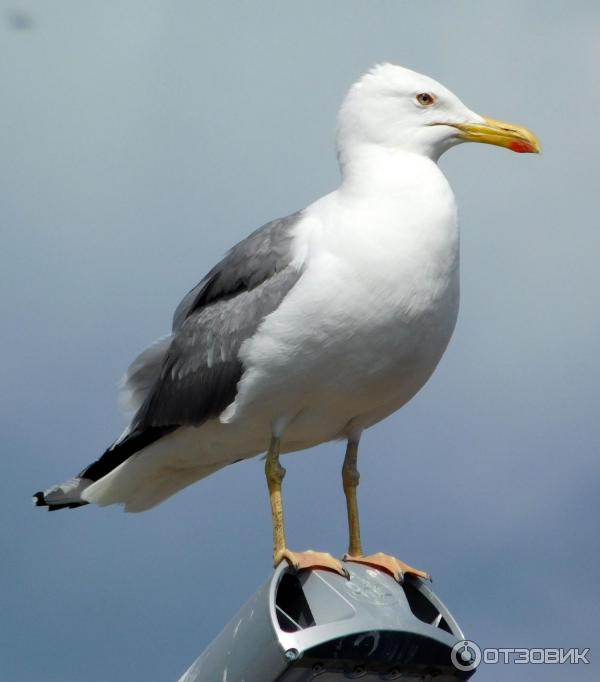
x=192 y=375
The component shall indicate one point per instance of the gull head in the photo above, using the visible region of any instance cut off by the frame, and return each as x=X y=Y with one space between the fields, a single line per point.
x=400 y=109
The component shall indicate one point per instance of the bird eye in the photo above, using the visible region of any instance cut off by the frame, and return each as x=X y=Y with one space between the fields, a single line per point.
x=425 y=99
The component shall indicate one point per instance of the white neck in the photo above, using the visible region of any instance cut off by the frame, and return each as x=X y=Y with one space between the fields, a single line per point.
x=376 y=170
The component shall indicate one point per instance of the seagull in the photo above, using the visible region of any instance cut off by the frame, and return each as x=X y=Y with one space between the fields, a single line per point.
x=315 y=327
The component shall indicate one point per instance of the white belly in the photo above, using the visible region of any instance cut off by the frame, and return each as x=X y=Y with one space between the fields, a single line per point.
x=357 y=337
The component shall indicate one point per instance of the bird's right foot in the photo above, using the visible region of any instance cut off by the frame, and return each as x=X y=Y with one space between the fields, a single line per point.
x=396 y=568
x=310 y=560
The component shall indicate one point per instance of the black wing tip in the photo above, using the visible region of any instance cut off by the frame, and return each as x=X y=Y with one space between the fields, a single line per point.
x=39 y=500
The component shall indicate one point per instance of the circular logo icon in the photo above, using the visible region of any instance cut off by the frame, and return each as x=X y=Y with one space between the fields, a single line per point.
x=465 y=655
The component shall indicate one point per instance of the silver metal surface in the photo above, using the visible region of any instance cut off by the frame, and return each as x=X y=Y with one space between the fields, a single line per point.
x=317 y=625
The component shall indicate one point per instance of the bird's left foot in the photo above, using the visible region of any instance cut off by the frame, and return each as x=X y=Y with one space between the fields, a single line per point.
x=396 y=568
x=310 y=560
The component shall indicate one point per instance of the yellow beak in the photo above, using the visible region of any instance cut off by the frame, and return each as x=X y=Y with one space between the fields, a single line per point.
x=501 y=134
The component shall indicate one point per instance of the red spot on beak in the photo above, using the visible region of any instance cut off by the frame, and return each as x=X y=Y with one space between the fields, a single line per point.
x=522 y=146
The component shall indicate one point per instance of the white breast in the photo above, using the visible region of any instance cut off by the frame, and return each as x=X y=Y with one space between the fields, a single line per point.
x=371 y=316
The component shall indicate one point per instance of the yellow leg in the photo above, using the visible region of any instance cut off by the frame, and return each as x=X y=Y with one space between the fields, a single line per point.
x=275 y=473
x=350 y=479
x=298 y=560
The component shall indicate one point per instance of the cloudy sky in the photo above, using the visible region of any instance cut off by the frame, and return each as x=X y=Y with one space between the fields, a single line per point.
x=138 y=141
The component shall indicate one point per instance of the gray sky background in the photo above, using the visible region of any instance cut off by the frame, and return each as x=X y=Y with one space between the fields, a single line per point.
x=139 y=141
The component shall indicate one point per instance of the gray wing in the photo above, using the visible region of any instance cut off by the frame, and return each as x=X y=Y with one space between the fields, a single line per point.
x=201 y=368
x=192 y=375
x=249 y=264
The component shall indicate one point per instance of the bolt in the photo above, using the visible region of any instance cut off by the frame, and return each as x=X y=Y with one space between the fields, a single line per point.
x=357 y=671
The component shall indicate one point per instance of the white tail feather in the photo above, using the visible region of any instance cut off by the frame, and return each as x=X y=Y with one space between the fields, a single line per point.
x=68 y=492
x=155 y=473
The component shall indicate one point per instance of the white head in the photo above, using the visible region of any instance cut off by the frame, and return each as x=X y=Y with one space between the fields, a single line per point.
x=400 y=109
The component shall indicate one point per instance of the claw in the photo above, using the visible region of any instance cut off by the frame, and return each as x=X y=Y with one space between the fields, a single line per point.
x=396 y=568
x=309 y=560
